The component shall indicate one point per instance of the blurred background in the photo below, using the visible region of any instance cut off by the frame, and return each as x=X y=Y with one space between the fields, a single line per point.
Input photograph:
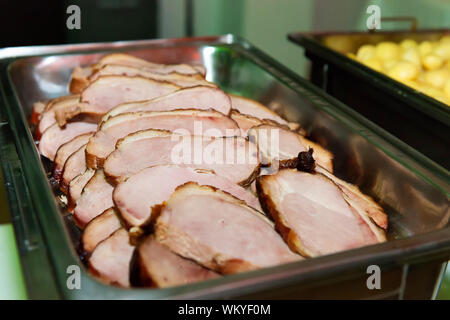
x=265 y=23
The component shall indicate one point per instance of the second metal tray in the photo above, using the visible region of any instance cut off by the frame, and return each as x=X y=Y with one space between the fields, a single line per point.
x=413 y=190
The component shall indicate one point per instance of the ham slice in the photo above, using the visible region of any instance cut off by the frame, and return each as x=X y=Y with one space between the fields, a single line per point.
x=76 y=187
x=157 y=266
x=95 y=198
x=81 y=76
x=136 y=197
x=65 y=151
x=181 y=80
x=74 y=166
x=312 y=214
x=232 y=157
x=99 y=229
x=54 y=136
x=109 y=91
x=200 y=97
x=132 y=61
x=80 y=79
x=110 y=261
x=218 y=231
x=188 y=121
x=279 y=145
x=48 y=116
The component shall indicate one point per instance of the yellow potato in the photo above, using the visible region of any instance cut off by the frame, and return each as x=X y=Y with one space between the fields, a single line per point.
x=431 y=61
x=436 y=78
x=408 y=44
x=387 y=51
x=404 y=70
x=374 y=64
x=388 y=64
x=365 y=52
x=442 y=50
x=425 y=47
x=412 y=55
x=351 y=56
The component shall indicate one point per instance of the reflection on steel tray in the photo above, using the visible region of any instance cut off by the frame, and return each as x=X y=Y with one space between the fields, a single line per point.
x=413 y=190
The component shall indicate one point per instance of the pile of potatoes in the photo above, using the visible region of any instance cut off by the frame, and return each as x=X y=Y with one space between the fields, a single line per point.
x=424 y=66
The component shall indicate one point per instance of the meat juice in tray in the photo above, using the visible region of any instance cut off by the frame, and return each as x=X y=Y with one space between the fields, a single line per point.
x=173 y=181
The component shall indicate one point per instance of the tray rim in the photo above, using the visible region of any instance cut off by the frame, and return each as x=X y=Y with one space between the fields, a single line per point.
x=434 y=108
x=389 y=253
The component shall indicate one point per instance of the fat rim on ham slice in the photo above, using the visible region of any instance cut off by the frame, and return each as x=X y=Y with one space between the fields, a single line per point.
x=74 y=166
x=123 y=146
x=76 y=186
x=216 y=257
x=272 y=208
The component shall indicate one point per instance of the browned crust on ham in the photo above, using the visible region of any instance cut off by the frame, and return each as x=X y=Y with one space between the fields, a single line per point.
x=289 y=236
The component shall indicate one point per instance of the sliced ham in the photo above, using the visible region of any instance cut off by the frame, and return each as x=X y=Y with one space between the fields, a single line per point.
x=81 y=76
x=136 y=197
x=76 y=186
x=54 y=136
x=132 y=61
x=364 y=204
x=65 y=151
x=181 y=80
x=48 y=116
x=218 y=231
x=129 y=60
x=232 y=157
x=110 y=260
x=74 y=166
x=95 y=198
x=312 y=214
x=157 y=266
x=279 y=145
x=187 y=121
x=99 y=229
x=107 y=92
x=200 y=97
x=255 y=109
x=245 y=122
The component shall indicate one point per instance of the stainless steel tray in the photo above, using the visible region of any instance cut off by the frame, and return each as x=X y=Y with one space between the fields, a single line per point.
x=413 y=190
